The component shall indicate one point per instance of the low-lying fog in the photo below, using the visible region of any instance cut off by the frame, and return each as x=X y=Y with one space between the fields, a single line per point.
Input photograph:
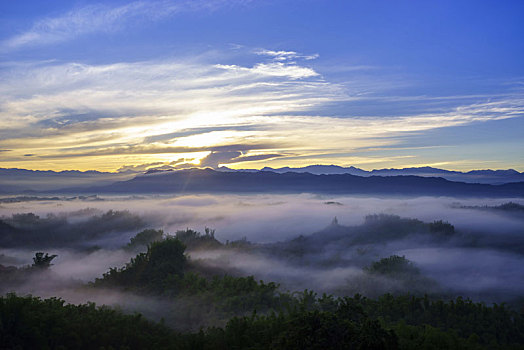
x=482 y=260
x=269 y=218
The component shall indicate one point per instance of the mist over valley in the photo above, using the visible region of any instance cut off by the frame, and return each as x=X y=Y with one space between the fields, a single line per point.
x=248 y=175
x=465 y=247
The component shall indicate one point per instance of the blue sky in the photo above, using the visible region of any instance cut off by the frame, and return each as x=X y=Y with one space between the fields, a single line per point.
x=247 y=84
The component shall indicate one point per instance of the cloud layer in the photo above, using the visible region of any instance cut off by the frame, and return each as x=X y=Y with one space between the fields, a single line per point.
x=481 y=259
x=237 y=104
x=119 y=114
x=96 y=18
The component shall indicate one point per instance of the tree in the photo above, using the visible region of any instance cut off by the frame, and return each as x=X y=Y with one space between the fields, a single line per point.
x=393 y=266
x=142 y=239
x=43 y=261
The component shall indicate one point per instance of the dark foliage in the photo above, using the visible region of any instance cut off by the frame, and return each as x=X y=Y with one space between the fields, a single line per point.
x=254 y=314
x=395 y=266
x=164 y=271
x=30 y=230
x=312 y=323
x=306 y=321
x=461 y=318
x=32 y=323
x=43 y=261
x=144 y=238
x=441 y=227
x=328 y=247
x=196 y=240
x=149 y=271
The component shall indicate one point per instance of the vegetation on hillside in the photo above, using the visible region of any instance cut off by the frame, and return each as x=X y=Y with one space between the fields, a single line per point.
x=245 y=313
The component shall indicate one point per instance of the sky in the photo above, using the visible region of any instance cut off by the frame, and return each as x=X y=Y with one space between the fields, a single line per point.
x=118 y=85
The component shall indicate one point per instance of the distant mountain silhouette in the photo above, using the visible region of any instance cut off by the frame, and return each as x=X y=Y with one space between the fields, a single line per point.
x=321 y=170
x=13 y=180
x=211 y=181
x=475 y=176
x=31 y=181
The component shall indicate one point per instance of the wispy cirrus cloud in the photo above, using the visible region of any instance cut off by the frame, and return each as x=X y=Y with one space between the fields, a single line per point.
x=101 y=17
x=276 y=69
x=132 y=113
x=143 y=109
x=282 y=55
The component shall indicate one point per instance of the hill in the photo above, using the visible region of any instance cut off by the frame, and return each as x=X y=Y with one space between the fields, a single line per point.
x=211 y=181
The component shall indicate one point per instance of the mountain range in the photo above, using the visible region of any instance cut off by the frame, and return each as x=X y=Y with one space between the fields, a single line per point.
x=211 y=181
x=314 y=178
x=13 y=180
x=494 y=177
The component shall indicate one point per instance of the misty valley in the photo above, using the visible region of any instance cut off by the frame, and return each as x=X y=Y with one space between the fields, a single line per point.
x=260 y=271
x=240 y=174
